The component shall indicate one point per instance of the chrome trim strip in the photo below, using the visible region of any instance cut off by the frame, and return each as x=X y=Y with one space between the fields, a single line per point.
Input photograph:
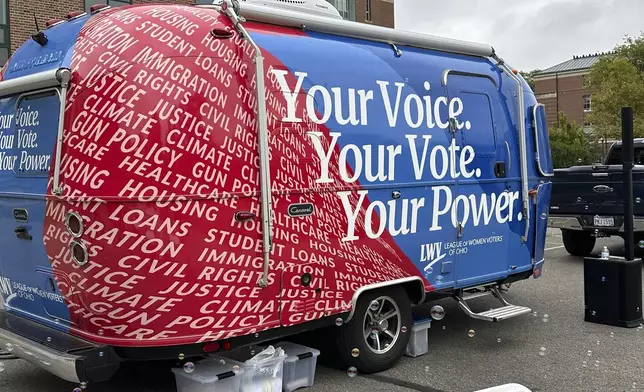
x=262 y=120
x=85 y=253
x=564 y=222
x=60 y=364
x=444 y=77
x=447 y=72
x=507 y=147
x=536 y=140
x=573 y=223
x=41 y=80
x=380 y=285
x=76 y=215
x=537 y=220
x=324 y=24
x=523 y=145
x=64 y=76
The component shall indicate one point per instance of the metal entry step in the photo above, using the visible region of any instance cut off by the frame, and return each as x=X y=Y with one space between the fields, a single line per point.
x=506 y=311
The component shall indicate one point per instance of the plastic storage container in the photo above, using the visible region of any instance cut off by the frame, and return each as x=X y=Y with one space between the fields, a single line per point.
x=299 y=366
x=419 y=339
x=210 y=375
x=263 y=368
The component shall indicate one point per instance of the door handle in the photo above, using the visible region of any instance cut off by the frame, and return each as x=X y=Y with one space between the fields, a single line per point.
x=22 y=233
x=499 y=169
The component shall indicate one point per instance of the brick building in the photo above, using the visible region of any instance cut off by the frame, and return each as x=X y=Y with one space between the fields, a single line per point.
x=18 y=17
x=379 y=12
x=567 y=88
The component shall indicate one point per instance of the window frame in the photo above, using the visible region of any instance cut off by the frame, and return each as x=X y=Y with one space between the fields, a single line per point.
x=368 y=11
x=6 y=31
x=588 y=99
x=586 y=81
x=350 y=13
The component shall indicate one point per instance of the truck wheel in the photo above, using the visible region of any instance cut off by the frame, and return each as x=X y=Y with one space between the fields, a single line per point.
x=578 y=243
x=379 y=333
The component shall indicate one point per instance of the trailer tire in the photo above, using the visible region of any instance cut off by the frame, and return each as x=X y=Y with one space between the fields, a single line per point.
x=351 y=336
x=578 y=243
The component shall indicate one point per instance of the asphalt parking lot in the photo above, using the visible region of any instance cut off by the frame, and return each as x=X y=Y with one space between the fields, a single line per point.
x=578 y=356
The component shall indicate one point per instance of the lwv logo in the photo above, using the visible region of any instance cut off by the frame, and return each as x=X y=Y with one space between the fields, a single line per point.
x=432 y=253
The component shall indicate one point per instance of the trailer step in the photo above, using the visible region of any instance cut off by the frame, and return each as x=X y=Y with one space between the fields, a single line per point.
x=466 y=296
x=504 y=312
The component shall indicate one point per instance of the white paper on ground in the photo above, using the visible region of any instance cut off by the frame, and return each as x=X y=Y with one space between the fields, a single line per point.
x=506 y=388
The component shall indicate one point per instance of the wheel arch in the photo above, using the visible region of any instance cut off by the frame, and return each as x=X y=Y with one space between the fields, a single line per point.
x=413 y=285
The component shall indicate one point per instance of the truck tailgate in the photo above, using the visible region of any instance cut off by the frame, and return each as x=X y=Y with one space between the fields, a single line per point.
x=594 y=190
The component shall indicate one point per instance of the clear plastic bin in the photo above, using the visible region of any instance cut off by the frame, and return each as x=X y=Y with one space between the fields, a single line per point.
x=299 y=366
x=210 y=375
x=419 y=338
x=260 y=375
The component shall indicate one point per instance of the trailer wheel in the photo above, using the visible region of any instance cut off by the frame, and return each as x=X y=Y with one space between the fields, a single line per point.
x=376 y=337
x=578 y=243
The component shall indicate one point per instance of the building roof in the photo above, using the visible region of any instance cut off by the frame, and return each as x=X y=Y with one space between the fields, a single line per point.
x=577 y=63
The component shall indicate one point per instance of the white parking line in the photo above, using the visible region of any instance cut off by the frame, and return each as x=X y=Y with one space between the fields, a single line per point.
x=554 y=247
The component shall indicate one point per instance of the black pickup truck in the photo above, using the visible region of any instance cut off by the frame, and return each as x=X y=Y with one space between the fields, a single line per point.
x=587 y=202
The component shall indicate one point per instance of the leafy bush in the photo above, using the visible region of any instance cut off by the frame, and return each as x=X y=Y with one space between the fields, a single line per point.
x=569 y=144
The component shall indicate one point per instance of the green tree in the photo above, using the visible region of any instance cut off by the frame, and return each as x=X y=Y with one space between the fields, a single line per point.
x=529 y=77
x=619 y=80
x=569 y=145
x=633 y=50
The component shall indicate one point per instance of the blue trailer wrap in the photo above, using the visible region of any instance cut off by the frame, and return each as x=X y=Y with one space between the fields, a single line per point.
x=177 y=180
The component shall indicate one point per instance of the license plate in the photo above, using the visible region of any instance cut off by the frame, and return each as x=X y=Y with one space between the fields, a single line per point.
x=604 y=221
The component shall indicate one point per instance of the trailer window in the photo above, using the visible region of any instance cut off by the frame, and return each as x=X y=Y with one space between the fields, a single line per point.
x=477 y=113
x=35 y=131
x=542 y=141
x=4 y=32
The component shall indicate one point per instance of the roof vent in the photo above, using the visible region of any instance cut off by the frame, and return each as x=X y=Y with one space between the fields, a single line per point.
x=53 y=22
x=315 y=7
x=98 y=8
x=75 y=15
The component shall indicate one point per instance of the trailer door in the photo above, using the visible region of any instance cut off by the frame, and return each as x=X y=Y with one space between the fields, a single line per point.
x=484 y=202
x=28 y=134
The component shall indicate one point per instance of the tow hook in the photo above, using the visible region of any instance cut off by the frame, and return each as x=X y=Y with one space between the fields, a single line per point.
x=599 y=234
